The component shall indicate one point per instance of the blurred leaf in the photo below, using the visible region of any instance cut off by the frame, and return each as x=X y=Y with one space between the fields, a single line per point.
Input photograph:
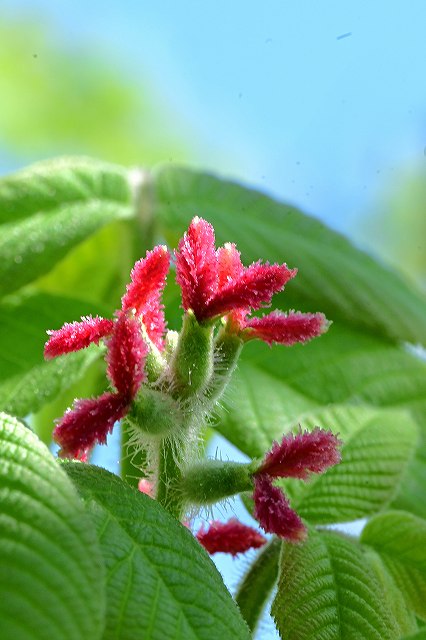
x=160 y=579
x=52 y=582
x=64 y=98
x=26 y=381
x=49 y=208
x=327 y=590
x=420 y=635
x=396 y=228
x=400 y=540
x=334 y=276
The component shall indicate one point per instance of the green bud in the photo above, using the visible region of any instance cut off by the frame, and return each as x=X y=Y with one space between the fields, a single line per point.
x=154 y=363
x=213 y=480
x=192 y=362
x=154 y=412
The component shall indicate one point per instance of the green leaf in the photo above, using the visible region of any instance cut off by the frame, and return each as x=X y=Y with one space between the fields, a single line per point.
x=378 y=445
x=52 y=582
x=420 y=635
x=256 y=586
x=272 y=387
x=27 y=382
x=48 y=209
x=404 y=617
x=334 y=276
x=327 y=591
x=271 y=390
x=161 y=582
x=400 y=539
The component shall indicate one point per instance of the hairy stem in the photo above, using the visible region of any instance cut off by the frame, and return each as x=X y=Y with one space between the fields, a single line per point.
x=131 y=460
x=169 y=475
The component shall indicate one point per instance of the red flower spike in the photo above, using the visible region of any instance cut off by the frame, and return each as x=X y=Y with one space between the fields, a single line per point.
x=232 y=537
x=197 y=266
x=230 y=267
x=126 y=356
x=154 y=322
x=88 y=423
x=76 y=335
x=252 y=290
x=274 y=513
x=148 y=278
x=144 y=292
x=286 y=329
x=298 y=455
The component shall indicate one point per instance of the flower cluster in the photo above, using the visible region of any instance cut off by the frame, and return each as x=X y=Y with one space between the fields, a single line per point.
x=163 y=388
x=215 y=283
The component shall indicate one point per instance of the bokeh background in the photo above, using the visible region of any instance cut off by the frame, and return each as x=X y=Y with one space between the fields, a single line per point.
x=321 y=104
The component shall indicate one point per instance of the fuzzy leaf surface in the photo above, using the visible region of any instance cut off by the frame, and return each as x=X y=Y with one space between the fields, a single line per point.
x=327 y=591
x=160 y=580
x=52 y=582
x=272 y=390
x=52 y=206
x=400 y=540
x=378 y=447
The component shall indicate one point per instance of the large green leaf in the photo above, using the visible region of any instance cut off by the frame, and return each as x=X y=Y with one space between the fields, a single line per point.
x=328 y=591
x=420 y=635
x=343 y=366
x=378 y=446
x=400 y=539
x=52 y=578
x=26 y=381
x=391 y=592
x=48 y=209
x=334 y=276
x=161 y=583
x=275 y=388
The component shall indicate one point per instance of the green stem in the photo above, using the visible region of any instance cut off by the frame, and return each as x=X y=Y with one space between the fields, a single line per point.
x=227 y=349
x=257 y=584
x=130 y=461
x=213 y=480
x=169 y=476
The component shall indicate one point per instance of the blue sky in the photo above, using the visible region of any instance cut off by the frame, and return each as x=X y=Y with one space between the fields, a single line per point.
x=272 y=93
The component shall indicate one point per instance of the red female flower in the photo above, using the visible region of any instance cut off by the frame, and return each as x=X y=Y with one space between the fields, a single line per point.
x=232 y=537
x=297 y=456
x=143 y=296
x=91 y=420
x=216 y=283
